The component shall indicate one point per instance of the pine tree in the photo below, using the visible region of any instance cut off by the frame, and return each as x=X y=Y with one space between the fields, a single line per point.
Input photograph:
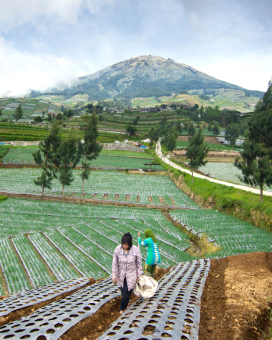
x=197 y=150
x=18 y=112
x=255 y=160
x=90 y=148
x=191 y=129
x=171 y=145
x=256 y=165
x=69 y=154
x=216 y=129
x=232 y=133
x=47 y=158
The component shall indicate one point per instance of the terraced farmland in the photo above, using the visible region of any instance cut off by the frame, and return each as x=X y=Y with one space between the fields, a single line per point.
x=106 y=185
x=232 y=235
x=44 y=242
x=109 y=160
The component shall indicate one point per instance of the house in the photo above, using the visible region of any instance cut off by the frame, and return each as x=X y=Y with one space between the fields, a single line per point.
x=163 y=106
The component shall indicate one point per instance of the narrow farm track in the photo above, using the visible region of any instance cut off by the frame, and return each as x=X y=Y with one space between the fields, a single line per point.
x=237 y=186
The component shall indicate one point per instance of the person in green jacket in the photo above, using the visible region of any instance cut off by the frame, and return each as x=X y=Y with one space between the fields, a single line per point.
x=153 y=255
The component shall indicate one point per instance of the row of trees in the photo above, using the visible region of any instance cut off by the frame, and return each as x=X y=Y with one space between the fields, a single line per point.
x=58 y=158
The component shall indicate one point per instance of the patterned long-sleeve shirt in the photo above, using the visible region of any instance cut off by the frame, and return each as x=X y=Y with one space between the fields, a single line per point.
x=153 y=255
x=127 y=266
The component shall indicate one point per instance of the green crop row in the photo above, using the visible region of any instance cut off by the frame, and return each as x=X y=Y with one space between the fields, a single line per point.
x=216 y=147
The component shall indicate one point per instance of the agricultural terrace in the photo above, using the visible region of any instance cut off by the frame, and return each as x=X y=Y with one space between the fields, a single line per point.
x=181 y=144
x=229 y=174
x=108 y=159
x=231 y=235
x=111 y=186
x=17 y=153
x=44 y=242
x=31 y=108
x=29 y=132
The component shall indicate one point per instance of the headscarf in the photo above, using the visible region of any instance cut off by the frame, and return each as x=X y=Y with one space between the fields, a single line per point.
x=149 y=233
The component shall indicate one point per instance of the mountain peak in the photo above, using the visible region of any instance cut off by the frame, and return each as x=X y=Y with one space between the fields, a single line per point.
x=145 y=76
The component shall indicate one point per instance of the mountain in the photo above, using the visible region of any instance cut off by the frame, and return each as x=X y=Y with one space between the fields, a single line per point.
x=144 y=76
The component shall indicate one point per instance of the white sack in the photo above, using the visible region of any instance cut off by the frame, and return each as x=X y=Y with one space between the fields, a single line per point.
x=145 y=287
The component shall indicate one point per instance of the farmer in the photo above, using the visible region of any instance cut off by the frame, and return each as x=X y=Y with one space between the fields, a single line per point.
x=153 y=255
x=126 y=268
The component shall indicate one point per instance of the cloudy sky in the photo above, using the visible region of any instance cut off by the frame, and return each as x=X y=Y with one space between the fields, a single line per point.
x=43 y=42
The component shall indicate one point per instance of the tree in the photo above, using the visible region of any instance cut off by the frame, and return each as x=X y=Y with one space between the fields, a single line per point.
x=153 y=135
x=216 y=129
x=47 y=158
x=172 y=142
x=59 y=116
x=69 y=113
x=136 y=120
x=196 y=151
x=90 y=148
x=255 y=160
x=256 y=165
x=18 y=112
x=178 y=126
x=0 y=112
x=185 y=126
x=232 y=133
x=38 y=119
x=210 y=127
x=49 y=117
x=131 y=129
x=69 y=153
x=191 y=129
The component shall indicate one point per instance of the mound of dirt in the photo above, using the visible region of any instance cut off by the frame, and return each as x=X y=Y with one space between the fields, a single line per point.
x=237 y=297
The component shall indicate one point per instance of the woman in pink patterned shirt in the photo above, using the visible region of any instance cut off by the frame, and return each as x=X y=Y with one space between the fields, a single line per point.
x=126 y=268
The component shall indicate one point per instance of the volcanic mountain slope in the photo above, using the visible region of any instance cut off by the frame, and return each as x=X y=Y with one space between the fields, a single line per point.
x=143 y=76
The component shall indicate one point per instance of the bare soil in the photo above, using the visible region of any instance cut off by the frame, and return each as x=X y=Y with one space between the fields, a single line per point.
x=224 y=155
x=207 y=139
x=94 y=326
x=237 y=298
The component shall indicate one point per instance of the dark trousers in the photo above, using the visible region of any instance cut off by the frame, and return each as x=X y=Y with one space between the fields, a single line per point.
x=125 y=295
x=149 y=270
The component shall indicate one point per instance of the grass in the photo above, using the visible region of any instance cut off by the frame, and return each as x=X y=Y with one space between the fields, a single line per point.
x=239 y=203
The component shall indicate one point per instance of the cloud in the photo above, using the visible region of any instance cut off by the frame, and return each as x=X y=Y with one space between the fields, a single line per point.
x=14 y=13
x=21 y=72
x=44 y=42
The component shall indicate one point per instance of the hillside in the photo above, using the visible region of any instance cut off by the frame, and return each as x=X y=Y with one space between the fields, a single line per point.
x=144 y=76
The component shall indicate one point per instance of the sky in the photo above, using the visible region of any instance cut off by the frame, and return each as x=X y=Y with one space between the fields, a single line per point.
x=45 y=42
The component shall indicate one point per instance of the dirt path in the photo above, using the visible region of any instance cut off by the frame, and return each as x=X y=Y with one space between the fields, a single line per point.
x=237 y=186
